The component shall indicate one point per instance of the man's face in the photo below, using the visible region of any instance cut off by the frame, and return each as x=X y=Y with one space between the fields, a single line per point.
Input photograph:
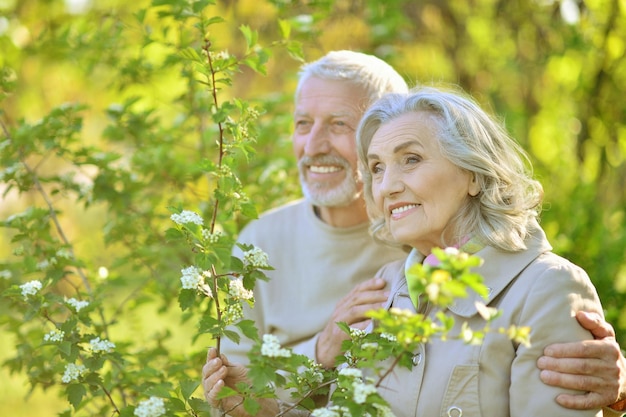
x=326 y=116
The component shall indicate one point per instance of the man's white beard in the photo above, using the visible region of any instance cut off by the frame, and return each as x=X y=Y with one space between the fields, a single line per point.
x=326 y=195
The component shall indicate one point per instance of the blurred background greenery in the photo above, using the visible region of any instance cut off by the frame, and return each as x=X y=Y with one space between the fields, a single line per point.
x=555 y=71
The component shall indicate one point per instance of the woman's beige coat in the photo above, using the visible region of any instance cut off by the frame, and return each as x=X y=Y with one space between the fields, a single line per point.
x=499 y=378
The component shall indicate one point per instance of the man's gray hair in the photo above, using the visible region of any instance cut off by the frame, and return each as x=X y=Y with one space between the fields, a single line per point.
x=367 y=71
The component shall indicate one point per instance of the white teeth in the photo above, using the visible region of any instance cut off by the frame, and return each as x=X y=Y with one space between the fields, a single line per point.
x=398 y=210
x=325 y=169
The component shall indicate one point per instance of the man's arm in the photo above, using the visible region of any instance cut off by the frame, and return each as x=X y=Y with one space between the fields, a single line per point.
x=595 y=366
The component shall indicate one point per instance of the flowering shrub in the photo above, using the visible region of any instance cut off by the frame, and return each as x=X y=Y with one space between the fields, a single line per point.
x=65 y=309
x=73 y=315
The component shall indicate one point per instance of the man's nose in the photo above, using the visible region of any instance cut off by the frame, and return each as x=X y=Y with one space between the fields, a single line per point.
x=318 y=141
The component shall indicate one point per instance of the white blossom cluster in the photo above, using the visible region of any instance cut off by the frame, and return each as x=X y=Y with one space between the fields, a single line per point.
x=351 y=372
x=256 y=258
x=55 y=335
x=46 y=263
x=232 y=313
x=271 y=347
x=389 y=336
x=332 y=411
x=237 y=290
x=6 y=274
x=383 y=411
x=311 y=373
x=152 y=407
x=357 y=333
x=103 y=345
x=212 y=237
x=192 y=277
x=64 y=253
x=77 y=304
x=30 y=288
x=73 y=372
x=187 y=216
x=362 y=390
x=219 y=55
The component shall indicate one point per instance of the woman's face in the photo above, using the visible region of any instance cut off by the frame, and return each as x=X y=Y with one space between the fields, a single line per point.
x=418 y=190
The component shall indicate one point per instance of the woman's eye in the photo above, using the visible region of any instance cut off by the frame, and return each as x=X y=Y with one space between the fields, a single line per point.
x=412 y=159
x=375 y=168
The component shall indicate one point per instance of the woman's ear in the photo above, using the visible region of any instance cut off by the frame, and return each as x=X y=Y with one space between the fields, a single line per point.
x=474 y=188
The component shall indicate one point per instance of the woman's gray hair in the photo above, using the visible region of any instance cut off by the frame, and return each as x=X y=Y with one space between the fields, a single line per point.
x=509 y=199
x=372 y=74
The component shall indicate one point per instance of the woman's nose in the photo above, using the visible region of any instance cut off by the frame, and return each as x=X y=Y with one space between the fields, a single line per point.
x=391 y=183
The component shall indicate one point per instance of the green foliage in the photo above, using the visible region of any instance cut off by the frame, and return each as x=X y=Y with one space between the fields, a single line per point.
x=111 y=114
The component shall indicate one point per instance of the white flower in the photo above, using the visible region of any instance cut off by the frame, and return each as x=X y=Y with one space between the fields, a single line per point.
x=212 y=237
x=187 y=216
x=361 y=391
x=324 y=412
x=351 y=372
x=271 y=347
x=389 y=336
x=357 y=333
x=256 y=258
x=332 y=411
x=237 y=290
x=73 y=372
x=451 y=250
x=383 y=411
x=77 y=304
x=192 y=277
x=30 y=288
x=98 y=345
x=55 y=335
x=6 y=274
x=64 y=253
x=103 y=272
x=233 y=313
x=152 y=407
x=46 y=263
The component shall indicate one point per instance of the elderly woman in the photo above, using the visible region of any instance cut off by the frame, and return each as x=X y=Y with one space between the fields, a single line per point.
x=438 y=172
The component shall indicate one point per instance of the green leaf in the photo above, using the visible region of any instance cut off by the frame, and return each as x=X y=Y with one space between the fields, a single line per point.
x=186 y=298
x=187 y=387
x=251 y=406
x=248 y=328
x=65 y=348
x=249 y=34
x=75 y=394
x=234 y=336
x=285 y=28
x=200 y=404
